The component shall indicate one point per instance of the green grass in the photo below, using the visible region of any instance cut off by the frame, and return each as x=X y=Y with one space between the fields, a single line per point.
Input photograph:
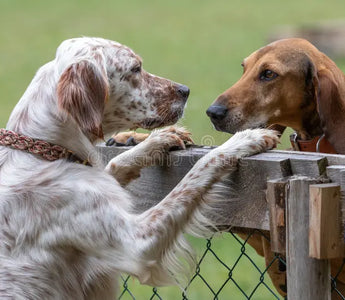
x=228 y=250
x=196 y=42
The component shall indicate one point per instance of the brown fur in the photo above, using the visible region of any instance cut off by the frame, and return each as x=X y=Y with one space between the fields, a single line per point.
x=82 y=91
x=308 y=95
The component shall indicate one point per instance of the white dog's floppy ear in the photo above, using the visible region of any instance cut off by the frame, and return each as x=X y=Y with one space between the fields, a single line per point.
x=82 y=92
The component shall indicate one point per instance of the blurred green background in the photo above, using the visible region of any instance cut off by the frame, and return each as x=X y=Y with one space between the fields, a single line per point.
x=196 y=42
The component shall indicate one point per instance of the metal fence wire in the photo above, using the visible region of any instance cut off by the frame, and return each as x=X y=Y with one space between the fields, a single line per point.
x=219 y=291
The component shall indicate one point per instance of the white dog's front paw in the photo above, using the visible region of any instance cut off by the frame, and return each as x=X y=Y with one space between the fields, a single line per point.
x=251 y=141
x=169 y=138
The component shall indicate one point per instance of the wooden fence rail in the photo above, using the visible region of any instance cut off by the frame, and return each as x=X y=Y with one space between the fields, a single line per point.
x=275 y=191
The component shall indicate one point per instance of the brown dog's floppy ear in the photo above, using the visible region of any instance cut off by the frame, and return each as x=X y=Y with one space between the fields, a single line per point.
x=82 y=91
x=331 y=108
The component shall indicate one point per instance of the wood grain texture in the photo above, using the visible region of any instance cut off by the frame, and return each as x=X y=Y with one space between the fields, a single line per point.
x=302 y=270
x=325 y=221
x=246 y=204
x=276 y=195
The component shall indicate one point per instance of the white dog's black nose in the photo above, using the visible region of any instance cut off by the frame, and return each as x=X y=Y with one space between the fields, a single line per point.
x=184 y=91
x=217 y=112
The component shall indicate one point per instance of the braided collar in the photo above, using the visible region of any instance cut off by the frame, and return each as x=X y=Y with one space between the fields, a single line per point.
x=41 y=148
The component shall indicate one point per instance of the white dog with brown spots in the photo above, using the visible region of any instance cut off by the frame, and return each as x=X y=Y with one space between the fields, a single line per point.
x=67 y=230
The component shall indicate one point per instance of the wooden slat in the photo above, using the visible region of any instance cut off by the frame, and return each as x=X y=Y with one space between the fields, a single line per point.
x=307 y=278
x=325 y=222
x=301 y=164
x=247 y=205
x=333 y=159
x=336 y=174
x=276 y=195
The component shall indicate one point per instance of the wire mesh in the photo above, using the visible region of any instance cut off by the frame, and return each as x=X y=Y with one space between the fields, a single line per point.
x=231 y=286
x=336 y=292
x=212 y=290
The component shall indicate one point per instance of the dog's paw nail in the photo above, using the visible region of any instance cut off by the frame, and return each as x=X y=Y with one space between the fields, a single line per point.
x=110 y=142
x=131 y=142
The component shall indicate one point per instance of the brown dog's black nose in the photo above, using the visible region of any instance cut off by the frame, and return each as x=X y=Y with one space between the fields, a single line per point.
x=184 y=91
x=217 y=112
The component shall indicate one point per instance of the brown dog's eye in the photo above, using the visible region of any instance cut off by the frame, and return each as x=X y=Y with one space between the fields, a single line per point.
x=268 y=75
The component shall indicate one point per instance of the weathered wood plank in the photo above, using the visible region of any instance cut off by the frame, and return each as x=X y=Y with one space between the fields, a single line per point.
x=247 y=205
x=301 y=164
x=276 y=195
x=333 y=159
x=307 y=278
x=336 y=174
x=324 y=221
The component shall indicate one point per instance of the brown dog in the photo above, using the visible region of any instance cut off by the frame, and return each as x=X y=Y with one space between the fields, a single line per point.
x=290 y=83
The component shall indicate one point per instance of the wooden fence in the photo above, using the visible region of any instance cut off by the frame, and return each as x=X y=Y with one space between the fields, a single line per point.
x=295 y=196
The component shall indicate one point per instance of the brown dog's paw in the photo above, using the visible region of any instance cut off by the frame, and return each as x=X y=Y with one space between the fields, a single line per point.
x=170 y=138
x=128 y=138
x=181 y=132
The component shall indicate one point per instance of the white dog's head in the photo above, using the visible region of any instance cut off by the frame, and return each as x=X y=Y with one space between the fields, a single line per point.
x=103 y=86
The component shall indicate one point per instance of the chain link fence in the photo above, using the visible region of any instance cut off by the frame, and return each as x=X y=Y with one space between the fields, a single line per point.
x=336 y=293
x=244 y=277
x=231 y=285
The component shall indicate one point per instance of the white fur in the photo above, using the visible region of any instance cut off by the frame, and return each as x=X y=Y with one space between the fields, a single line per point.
x=68 y=230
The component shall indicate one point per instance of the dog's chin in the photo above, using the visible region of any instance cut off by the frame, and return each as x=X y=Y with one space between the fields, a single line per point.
x=153 y=123
x=233 y=128
x=222 y=128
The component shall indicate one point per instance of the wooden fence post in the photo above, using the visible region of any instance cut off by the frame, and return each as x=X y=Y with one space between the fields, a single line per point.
x=307 y=278
x=276 y=198
x=325 y=232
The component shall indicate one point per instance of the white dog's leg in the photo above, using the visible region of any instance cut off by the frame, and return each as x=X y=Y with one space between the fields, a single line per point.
x=153 y=151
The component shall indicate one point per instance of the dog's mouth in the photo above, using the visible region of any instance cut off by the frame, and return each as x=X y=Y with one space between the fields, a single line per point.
x=153 y=123
x=169 y=119
x=232 y=126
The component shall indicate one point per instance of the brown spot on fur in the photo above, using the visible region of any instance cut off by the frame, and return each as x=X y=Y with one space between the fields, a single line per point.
x=135 y=82
x=174 y=193
x=82 y=91
x=156 y=214
x=186 y=194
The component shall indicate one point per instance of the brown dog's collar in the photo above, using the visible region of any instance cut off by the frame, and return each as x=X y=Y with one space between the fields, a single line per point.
x=317 y=144
x=41 y=148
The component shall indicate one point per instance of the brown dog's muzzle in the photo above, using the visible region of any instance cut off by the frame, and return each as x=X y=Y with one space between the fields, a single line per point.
x=217 y=114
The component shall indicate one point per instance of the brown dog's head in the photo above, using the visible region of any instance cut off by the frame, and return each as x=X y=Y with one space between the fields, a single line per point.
x=288 y=82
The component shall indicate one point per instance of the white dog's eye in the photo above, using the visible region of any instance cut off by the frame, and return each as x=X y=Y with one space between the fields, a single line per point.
x=136 y=69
